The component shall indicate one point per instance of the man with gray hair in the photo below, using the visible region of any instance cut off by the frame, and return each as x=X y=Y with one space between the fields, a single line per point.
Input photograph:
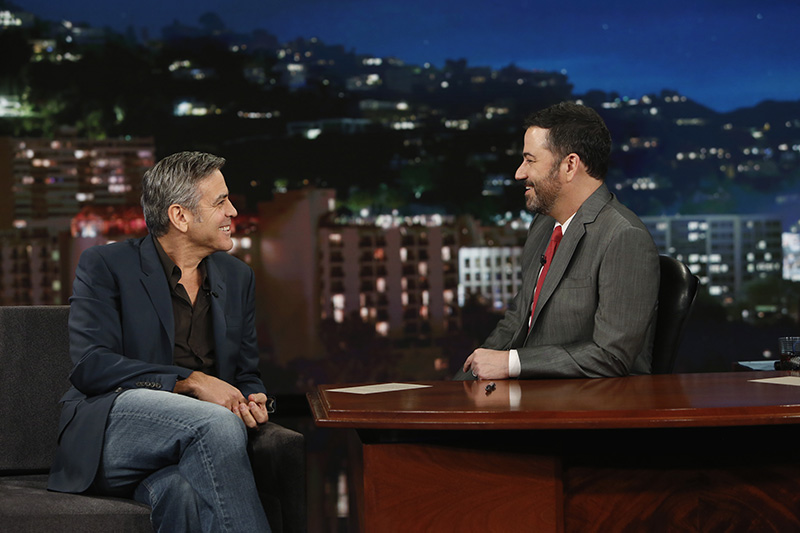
x=166 y=382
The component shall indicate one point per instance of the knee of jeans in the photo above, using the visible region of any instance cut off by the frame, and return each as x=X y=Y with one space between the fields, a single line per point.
x=171 y=490
x=226 y=428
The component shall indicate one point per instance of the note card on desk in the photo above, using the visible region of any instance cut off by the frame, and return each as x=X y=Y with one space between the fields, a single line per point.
x=783 y=380
x=383 y=387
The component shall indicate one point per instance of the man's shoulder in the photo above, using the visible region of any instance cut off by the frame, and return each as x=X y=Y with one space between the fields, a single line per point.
x=616 y=210
x=115 y=251
x=612 y=219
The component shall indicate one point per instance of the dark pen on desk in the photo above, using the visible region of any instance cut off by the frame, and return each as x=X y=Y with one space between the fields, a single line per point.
x=490 y=387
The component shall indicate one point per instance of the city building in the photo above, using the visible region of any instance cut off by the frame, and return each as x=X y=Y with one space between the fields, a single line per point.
x=285 y=261
x=46 y=186
x=56 y=178
x=398 y=274
x=494 y=273
x=489 y=260
x=724 y=251
x=34 y=266
x=791 y=256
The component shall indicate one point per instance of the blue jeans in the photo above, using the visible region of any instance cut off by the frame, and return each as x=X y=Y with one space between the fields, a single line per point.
x=185 y=458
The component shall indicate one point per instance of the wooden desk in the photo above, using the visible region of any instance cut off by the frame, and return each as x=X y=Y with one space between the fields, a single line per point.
x=685 y=452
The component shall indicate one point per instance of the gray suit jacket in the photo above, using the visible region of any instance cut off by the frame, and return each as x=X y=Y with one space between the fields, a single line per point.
x=596 y=314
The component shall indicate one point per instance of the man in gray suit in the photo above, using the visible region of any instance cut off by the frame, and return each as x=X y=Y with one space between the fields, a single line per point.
x=587 y=306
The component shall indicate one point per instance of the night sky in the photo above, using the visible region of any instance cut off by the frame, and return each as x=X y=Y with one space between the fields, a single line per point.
x=723 y=53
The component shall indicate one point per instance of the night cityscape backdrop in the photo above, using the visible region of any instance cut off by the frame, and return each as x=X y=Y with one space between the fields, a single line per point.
x=399 y=114
x=371 y=147
x=723 y=54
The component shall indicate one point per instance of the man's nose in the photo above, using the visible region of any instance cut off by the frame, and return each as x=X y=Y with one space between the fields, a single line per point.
x=232 y=212
x=519 y=174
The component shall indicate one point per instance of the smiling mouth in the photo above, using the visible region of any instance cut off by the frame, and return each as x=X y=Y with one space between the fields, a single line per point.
x=225 y=228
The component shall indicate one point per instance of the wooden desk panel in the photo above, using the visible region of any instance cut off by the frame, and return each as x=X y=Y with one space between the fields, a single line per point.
x=692 y=452
x=434 y=487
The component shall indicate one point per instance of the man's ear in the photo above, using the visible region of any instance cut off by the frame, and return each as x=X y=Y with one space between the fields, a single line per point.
x=571 y=165
x=179 y=217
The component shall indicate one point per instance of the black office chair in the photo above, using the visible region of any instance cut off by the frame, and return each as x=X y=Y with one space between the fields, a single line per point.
x=676 y=296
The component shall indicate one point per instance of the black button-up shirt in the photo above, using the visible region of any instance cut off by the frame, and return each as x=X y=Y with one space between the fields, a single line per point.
x=194 y=333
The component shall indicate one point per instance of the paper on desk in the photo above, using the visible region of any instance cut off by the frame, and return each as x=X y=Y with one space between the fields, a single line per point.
x=383 y=387
x=783 y=380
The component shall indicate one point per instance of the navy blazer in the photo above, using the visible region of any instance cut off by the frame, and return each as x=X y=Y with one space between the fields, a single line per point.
x=122 y=336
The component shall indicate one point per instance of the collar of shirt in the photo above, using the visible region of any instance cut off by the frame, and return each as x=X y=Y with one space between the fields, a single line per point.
x=173 y=271
x=565 y=224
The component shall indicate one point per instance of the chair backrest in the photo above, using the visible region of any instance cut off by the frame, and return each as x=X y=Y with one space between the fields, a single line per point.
x=34 y=372
x=676 y=296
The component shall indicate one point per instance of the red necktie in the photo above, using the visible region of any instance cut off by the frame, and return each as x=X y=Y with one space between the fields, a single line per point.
x=555 y=239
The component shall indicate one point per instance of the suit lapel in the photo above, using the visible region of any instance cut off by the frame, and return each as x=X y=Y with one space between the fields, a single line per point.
x=219 y=321
x=538 y=239
x=155 y=283
x=586 y=215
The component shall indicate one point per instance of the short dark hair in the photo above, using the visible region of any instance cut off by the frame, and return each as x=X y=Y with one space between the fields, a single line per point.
x=573 y=128
x=173 y=180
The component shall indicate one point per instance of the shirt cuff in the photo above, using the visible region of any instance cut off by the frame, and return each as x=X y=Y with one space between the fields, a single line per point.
x=514 y=366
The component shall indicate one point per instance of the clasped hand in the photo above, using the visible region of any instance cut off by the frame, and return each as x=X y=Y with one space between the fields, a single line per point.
x=252 y=411
x=487 y=364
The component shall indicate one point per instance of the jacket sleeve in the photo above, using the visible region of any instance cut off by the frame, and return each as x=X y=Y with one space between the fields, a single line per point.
x=97 y=344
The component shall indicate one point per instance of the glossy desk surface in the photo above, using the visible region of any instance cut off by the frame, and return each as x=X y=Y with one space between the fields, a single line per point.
x=675 y=400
